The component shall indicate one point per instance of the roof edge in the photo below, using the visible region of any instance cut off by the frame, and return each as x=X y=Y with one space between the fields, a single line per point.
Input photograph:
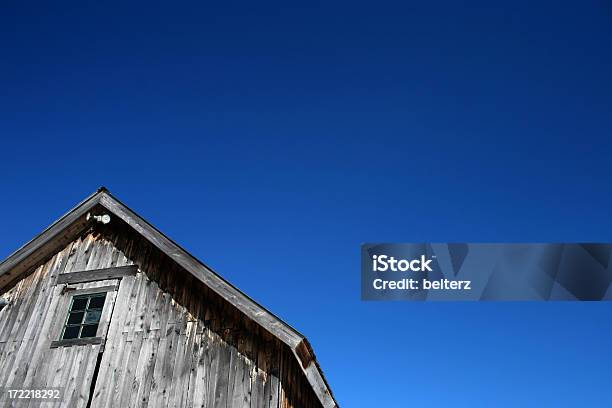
x=48 y=233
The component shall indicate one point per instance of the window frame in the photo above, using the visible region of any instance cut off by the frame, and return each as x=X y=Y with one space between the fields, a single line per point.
x=68 y=292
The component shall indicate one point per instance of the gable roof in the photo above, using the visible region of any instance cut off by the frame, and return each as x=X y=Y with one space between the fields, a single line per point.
x=68 y=227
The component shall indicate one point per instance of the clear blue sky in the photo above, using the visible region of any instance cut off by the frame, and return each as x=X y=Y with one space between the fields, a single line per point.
x=271 y=141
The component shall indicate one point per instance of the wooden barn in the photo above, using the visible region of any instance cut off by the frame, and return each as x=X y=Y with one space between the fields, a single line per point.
x=107 y=308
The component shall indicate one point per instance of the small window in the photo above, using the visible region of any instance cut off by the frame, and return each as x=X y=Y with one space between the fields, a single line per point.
x=84 y=316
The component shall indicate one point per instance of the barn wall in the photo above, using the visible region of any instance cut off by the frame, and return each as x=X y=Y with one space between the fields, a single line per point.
x=171 y=341
x=34 y=317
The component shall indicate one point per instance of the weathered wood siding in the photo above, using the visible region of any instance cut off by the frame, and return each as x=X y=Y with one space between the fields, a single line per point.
x=170 y=341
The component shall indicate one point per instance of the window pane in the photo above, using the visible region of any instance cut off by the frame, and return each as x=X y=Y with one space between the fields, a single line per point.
x=92 y=316
x=79 y=303
x=84 y=316
x=75 y=318
x=89 y=330
x=71 y=332
x=97 y=302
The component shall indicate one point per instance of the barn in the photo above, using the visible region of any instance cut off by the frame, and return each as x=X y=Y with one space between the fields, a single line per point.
x=106 y=311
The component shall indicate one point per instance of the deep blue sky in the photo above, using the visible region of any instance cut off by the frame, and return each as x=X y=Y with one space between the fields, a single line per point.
x=271 y=140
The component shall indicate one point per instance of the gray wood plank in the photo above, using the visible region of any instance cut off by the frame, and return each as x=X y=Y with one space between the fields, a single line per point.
x=76 y=342
x=97 y=274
